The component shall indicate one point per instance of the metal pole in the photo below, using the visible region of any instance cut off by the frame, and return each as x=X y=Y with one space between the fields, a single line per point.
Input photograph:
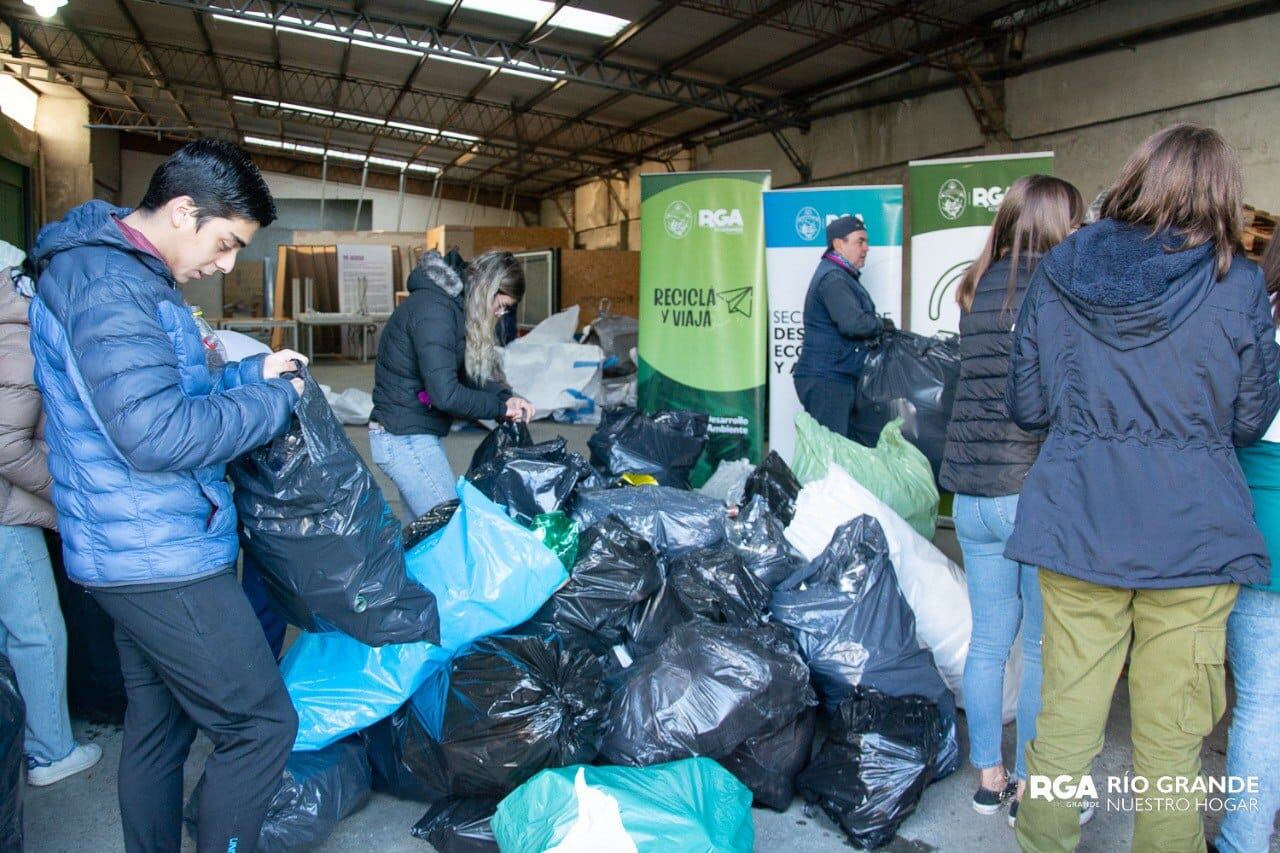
x=400 y=201
x=324 y=177
x=433 y=202
x=364 y=177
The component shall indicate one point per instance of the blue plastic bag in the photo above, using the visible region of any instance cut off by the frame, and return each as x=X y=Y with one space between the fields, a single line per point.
x=694 y=804
x=487 y=573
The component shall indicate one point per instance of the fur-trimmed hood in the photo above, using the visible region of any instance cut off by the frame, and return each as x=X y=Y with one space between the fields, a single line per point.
x=443 y=271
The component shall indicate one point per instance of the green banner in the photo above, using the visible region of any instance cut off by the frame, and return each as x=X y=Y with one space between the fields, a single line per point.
x=953 y=203
x=703 y=308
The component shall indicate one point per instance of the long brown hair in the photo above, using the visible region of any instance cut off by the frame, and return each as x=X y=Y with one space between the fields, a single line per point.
x=1185 y=178
x=1271 y=273
x=1036 y=214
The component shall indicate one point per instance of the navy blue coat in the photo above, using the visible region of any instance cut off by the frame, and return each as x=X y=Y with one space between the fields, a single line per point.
x=139 y=429
x=839 y=323
x=1148 y=372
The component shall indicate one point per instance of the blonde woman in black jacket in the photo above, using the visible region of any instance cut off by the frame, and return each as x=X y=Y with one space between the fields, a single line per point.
x=438 y=360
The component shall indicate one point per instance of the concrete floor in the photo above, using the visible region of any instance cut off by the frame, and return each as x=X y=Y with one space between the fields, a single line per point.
x=81 y=813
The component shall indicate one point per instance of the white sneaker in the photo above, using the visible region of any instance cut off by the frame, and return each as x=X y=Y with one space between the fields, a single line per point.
x=1087 y=813
x=84 y=756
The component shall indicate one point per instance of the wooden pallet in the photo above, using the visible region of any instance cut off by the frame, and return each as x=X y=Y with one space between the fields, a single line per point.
x=1259 y=231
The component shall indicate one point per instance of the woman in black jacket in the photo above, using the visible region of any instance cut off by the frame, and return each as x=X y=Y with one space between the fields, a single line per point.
x=439 y=360
x=986 y=458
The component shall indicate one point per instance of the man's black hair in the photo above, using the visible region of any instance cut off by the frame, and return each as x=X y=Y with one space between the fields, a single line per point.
x=219 y=177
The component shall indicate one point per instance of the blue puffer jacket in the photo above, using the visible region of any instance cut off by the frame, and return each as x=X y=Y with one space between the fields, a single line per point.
x=1148 y=372
x=139 y=429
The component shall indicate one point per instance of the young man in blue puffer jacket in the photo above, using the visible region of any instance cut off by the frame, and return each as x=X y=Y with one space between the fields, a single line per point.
x=141 y=421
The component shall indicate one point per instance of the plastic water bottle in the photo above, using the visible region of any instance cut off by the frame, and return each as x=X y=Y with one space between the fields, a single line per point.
x=215 y=353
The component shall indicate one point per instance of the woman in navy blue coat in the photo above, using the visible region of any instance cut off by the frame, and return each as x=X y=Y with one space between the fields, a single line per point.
x=1145 y=347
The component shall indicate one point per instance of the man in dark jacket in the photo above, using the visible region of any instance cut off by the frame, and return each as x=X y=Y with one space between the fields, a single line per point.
x=840 y=322
x=140 y=428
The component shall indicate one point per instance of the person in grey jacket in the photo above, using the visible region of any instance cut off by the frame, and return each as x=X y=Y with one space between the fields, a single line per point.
x=32 y=633
x=438 y=360
x=986 y=458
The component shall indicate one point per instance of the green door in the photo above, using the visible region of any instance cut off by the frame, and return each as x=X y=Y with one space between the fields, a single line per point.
x=13 y=208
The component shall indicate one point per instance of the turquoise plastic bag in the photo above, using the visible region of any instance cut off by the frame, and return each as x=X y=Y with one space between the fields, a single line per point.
x=894 y=470
x=487 y=573
x=694 y=804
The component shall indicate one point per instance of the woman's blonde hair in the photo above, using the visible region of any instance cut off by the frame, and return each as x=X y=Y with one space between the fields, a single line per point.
x=1185 y=178
x=1036 y=214
x=488 y=275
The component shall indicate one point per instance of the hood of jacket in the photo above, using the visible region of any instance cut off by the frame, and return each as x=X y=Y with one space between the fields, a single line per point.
x=1127 y=286
x=92 y=225
x=439 y=271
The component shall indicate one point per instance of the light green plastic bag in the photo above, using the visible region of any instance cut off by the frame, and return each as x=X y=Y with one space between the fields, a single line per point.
x=558 y=532
x=694 y=804
x=894 y=470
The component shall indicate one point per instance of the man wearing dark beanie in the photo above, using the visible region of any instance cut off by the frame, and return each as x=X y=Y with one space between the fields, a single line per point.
x=840 y=322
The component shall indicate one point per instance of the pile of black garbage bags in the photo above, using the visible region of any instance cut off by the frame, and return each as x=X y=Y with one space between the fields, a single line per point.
x=686 y=628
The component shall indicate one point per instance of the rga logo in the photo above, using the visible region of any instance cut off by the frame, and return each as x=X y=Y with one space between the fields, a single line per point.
x=678 y=219
x=1052 y=788
x=808 y=223
x=721 y=220
x=952 y=199
x=988 y=198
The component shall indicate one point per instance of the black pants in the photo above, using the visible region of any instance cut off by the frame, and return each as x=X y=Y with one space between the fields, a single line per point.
x=830 y=402
x=193 y=657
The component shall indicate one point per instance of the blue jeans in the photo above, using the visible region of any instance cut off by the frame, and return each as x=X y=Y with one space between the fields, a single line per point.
x=417 y=464
x=1253 y=741
x=1003 y=595
x=34 y=637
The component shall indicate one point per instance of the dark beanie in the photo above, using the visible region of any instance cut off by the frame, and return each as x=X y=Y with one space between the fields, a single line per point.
x=840 y=228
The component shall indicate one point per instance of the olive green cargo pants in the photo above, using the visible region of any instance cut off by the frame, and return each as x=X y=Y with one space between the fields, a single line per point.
x=1177 y=693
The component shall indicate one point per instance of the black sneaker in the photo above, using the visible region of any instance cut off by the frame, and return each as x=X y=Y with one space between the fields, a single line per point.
x=988 y=802
x=1013 y=812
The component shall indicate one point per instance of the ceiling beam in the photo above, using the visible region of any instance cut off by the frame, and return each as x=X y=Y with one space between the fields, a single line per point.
x=190 y=73
x=723 y=38
x=621 y=39
x=495 y=53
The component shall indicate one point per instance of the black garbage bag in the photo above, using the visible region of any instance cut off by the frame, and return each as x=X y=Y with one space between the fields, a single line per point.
x=384 y=745
x=615 y=571
x=774 y=481
x=505 y=435
x=670 y=520
x=705 y=691
x=429 y=522
x=665 y=446
x=459 y=825
x=759 y=539
x=912 y=377
x=871 y=772
x=509 y=706
x=95 y=687
x=768 y=764
x=853 y=624
x=317 y=791
x=13 y=726
x=713 y=584
x=324 y=537
x=651 y=621
x=531 y=480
